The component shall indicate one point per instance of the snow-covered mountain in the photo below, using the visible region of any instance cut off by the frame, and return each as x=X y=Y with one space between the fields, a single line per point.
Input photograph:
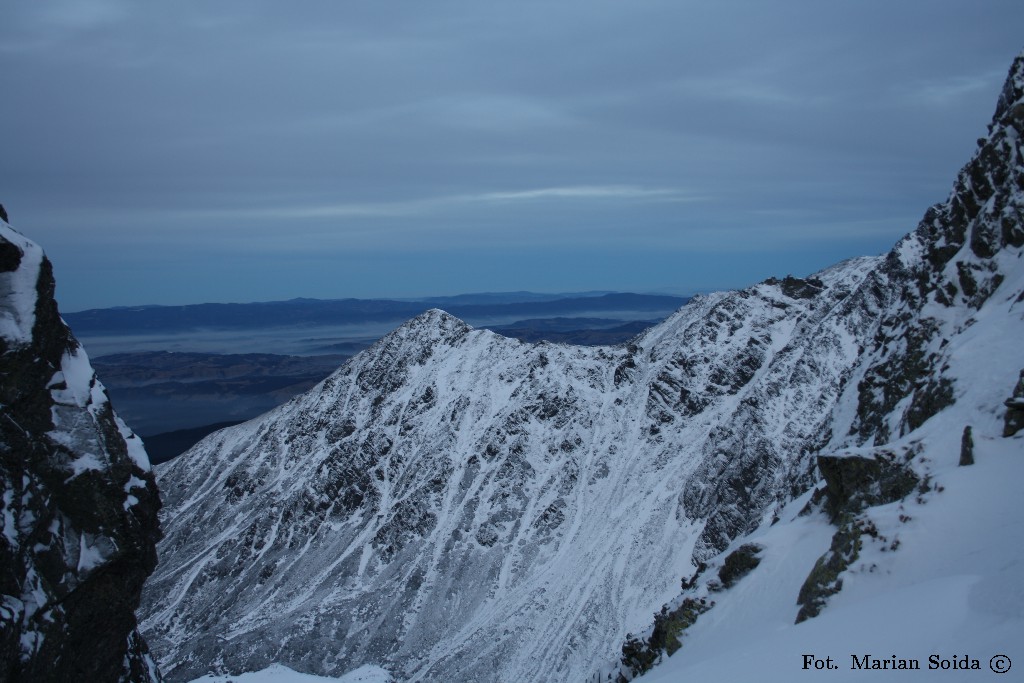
x=457 y=506
x=79 y=504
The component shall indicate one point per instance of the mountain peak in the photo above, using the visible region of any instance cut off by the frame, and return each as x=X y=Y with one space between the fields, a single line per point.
x=954 y=253
x=436 y=317
x=1011 y=99
x=433 y=326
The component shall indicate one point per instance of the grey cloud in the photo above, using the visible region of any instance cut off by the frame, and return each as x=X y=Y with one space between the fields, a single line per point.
x=470 y=125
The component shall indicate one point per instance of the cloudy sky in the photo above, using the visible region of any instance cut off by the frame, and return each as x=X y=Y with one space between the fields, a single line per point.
x=242 y=151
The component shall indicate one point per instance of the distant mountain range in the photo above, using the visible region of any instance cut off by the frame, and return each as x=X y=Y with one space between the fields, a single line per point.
x=319 y=312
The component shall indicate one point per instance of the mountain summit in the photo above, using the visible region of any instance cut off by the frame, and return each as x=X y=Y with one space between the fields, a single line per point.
x=455 y=505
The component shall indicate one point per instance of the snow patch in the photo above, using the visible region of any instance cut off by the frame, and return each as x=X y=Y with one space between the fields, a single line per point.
x=18 y=289
x=86 y=462
x=75 y=383
x=75 y=387
x=130 y=500
x=136 y=449
x=90 y=554
x=277 y=673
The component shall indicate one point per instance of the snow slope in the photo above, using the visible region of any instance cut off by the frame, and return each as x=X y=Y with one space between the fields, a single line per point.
x=454 y=505
x=282 y=674
x=940 y=584
x=951 y=588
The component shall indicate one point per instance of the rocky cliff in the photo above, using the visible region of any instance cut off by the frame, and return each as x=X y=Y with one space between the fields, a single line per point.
x=455 y=505
x=79 y=506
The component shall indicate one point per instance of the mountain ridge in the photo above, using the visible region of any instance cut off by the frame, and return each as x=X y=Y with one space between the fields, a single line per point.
x=453 y=505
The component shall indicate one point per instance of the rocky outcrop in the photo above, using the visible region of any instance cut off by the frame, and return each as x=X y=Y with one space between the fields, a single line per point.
x=639 y=655
x=79 y=505
x=854 y=482
x=967 y=447
x=664 y=638
x=1013 y=421
x=825 y=578
x=739 y=563
x=798 y=288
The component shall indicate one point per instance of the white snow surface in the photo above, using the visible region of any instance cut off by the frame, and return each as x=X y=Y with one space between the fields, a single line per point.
x=951 y=588
x=18 y=289
x=454 y=505
x=79 y=399
x=277 y=673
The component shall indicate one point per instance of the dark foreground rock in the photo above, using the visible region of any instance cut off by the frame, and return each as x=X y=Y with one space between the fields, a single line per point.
x=854 y=482
x=79 y=502
x=1014 y=420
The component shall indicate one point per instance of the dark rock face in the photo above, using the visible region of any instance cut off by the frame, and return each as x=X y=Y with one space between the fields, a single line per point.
x=739 y=563
x=967 y=448
x=1014 y=419
x=960 y=241
x=79 y=506
x=798 y=288
x=825 y=579
x=10 y=257
x=854 y=482
x=639 y=655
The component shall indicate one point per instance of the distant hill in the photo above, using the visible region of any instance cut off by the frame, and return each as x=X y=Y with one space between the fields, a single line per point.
x=577 y=331
x=504 y=297
x=318 y=312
